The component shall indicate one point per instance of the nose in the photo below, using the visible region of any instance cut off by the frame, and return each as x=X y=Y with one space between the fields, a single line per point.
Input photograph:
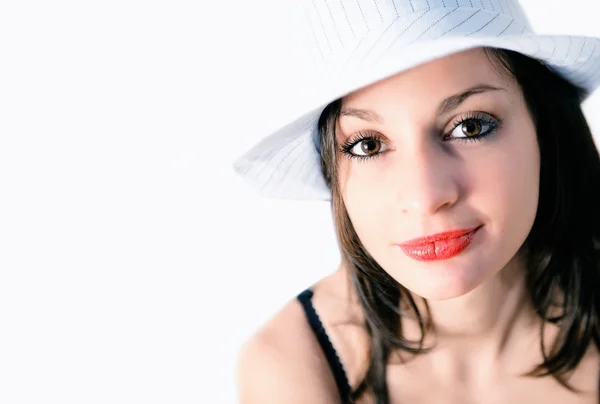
x=427 y=179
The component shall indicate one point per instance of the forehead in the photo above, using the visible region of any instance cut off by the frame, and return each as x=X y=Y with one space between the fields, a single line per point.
x=432 y=81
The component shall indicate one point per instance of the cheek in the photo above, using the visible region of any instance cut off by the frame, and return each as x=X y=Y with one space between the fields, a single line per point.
x=365 y=201
x=505 y=187
x=369 y=175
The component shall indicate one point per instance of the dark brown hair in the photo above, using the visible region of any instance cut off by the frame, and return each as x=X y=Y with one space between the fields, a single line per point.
x=563 y=247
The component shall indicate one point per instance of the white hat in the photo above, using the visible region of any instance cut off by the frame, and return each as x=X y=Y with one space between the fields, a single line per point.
x=359 y=42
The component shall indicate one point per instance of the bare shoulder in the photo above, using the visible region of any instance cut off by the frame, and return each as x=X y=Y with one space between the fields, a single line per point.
x=283 y=363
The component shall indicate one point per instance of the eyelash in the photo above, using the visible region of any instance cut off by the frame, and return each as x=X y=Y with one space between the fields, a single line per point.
x=484 y=118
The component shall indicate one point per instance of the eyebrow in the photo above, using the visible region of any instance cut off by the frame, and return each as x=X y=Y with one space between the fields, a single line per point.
x=454 y=101
x=364 y=114
x=446 y=105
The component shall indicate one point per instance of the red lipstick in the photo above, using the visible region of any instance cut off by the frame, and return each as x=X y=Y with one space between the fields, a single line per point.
x=441 y=246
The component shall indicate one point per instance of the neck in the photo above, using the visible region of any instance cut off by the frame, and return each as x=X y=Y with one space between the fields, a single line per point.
x=491 y=323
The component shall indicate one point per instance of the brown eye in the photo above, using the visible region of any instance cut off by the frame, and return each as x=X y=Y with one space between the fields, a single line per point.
x=471 y=127
x=476 y=126
x=370 y=146
x=365 y=147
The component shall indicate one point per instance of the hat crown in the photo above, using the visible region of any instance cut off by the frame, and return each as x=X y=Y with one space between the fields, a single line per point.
x=346 y=33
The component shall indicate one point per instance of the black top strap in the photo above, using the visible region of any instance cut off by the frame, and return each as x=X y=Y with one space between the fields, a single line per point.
x=341 y=380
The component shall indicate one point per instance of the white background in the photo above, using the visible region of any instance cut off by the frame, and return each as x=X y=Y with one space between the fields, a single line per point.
x=133 y=263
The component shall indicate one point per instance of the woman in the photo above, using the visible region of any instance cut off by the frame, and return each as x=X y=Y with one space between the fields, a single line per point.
x=465 y=187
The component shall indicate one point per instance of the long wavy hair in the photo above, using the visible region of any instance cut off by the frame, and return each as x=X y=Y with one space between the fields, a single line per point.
x=563 y=247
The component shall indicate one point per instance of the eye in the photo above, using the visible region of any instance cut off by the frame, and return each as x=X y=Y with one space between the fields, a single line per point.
x=470 y=128
x=364 y=146
x=474 y=126
x=367 y=147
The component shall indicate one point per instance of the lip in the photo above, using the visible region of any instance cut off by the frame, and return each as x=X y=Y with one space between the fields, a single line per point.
x=440 y=246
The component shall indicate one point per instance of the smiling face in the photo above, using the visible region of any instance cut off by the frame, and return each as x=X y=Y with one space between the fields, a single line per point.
x=447 y=146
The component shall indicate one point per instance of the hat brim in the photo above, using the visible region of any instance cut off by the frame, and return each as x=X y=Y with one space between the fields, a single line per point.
x=286 y=164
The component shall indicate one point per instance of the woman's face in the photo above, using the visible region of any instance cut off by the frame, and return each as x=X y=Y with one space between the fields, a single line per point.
x=446 y=147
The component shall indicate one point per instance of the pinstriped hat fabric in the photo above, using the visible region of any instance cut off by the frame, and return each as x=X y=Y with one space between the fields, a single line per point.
x=356 y=43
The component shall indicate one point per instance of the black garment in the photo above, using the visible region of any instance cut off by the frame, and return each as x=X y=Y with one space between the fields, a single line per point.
x=341 y=380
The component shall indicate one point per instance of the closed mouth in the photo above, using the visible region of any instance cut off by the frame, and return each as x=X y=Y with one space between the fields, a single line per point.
x=438 y=237
x=439 y=246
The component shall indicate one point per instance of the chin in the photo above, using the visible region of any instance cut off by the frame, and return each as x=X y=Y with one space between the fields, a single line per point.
x=443 y=281
x=444 y=293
